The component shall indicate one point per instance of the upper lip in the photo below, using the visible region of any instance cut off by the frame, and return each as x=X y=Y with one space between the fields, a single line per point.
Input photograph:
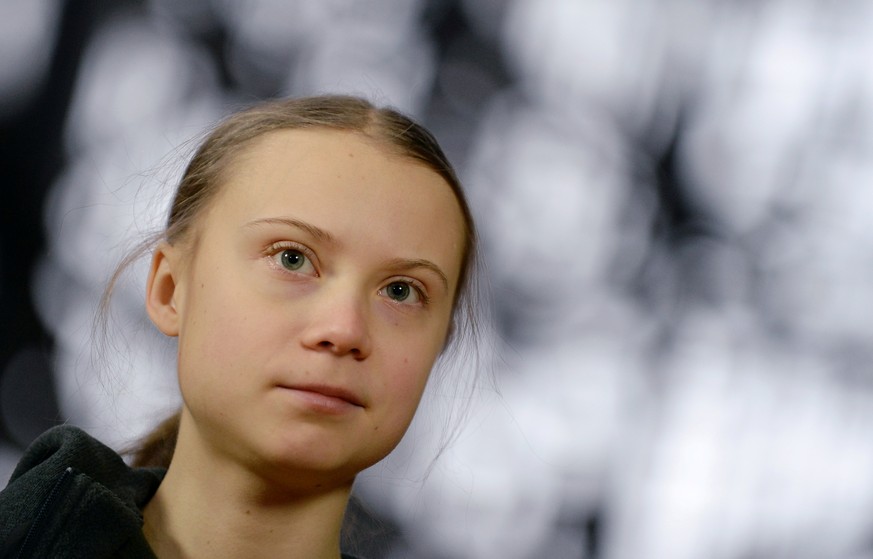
x=328 y=390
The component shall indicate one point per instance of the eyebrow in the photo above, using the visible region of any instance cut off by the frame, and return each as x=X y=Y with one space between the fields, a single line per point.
x=316 y=232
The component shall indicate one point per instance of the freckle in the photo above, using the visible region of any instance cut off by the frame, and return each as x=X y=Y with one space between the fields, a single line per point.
x=248 y=511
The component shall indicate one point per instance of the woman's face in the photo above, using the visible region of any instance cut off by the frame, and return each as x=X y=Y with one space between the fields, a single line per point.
x=314 y=302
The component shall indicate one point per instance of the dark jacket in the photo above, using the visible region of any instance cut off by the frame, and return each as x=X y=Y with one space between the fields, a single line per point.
x=72 y=496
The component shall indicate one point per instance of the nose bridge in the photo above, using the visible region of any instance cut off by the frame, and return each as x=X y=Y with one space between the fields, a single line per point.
x=340 y=321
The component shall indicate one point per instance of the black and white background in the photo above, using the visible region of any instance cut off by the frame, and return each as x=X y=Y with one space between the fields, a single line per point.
x=676 y=205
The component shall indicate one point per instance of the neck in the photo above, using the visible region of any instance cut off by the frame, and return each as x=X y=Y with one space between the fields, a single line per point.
x=216 y=508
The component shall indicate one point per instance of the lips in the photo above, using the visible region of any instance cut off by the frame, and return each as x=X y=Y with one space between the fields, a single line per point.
x=327 y=391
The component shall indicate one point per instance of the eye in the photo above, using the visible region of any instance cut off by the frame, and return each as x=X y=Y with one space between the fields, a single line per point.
x=293 y=259
x=404 y=292
x=399 y=291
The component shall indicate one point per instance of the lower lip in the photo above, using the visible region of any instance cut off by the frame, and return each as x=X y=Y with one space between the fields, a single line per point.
x=321 y=403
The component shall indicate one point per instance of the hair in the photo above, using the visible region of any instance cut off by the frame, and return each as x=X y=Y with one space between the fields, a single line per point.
x=204 y=177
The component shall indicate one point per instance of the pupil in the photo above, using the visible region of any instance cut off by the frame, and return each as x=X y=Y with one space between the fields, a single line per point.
x=292 y=259
x=398 y=291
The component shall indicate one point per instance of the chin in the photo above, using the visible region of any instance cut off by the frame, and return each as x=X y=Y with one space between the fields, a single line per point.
x=313 y=467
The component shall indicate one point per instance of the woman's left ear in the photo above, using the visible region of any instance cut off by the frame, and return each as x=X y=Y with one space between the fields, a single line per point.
x=162 y=290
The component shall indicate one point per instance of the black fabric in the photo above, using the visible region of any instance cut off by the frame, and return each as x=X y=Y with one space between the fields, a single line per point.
x=73 y=497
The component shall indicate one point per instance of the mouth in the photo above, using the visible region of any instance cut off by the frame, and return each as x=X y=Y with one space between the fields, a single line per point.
x=325 y=397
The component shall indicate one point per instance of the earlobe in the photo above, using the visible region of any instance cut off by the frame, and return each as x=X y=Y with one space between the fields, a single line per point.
x=162 y=291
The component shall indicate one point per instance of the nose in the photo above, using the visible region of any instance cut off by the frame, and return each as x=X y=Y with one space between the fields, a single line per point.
x=339 y=326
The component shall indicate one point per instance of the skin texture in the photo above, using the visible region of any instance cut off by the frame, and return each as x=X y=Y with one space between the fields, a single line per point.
x=310 y=304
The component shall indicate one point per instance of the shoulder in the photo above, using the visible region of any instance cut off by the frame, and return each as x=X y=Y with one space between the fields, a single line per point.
x=66 y=489
x=69 y=447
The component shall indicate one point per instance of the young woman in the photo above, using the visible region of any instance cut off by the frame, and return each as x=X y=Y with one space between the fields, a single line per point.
x=316 y=256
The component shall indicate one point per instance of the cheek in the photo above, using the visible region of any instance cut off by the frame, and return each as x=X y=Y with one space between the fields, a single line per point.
x=410 y=377
x=219 y=334
x=402 y=388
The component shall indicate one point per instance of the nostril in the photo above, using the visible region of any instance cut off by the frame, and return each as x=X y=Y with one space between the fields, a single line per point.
x=328 y=345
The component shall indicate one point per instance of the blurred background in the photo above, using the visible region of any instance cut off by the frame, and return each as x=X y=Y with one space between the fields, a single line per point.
x=675 y=201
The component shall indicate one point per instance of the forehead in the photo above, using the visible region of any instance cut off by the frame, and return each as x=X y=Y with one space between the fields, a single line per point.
x=348 y=184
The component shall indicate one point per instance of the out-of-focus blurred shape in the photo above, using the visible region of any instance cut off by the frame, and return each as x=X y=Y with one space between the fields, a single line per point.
x=673 y=201
x=141 y=94
x=27 y=36
x=377 y=49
